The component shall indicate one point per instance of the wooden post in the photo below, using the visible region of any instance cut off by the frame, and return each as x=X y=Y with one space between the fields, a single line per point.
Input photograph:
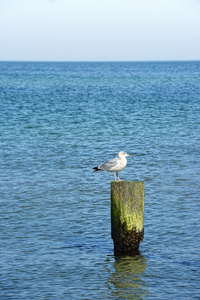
x=127 y=215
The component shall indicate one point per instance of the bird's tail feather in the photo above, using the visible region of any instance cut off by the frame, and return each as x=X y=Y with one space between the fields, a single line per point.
x=96 y=169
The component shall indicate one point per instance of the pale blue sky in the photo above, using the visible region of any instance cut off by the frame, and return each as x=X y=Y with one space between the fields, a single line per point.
x=99 y=30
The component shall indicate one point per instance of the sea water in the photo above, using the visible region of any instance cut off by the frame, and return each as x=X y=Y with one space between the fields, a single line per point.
x=57 y=122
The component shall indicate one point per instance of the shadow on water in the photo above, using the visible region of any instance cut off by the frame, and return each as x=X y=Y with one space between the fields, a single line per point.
x=125 y=281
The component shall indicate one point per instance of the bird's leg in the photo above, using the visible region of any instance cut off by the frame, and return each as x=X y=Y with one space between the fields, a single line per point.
x=118 y=177
x=115 y=177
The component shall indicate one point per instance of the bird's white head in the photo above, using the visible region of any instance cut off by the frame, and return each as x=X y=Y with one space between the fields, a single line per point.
x=122 y=154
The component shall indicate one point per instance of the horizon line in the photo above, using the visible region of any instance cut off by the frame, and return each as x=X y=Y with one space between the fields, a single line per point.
x=102 y=61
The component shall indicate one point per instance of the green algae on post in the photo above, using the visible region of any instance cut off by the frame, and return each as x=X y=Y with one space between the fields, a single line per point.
x=127 y=215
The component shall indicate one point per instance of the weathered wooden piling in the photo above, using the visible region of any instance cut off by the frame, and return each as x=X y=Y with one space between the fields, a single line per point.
x=127 y=215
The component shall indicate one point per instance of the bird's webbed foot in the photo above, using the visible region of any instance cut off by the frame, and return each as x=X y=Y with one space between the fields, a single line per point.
x=120 y=179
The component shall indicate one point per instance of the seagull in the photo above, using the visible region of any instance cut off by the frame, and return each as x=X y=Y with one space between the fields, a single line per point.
x=114 y=165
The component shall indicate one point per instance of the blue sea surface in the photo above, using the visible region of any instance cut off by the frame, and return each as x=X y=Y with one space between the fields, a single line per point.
x=57 y=122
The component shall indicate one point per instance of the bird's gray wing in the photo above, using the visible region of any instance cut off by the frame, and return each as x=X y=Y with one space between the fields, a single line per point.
x=109 y=165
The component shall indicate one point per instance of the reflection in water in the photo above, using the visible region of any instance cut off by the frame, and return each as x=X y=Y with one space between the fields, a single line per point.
x=125 y=281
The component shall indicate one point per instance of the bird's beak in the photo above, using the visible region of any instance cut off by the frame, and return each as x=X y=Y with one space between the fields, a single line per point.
x=128 y=155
